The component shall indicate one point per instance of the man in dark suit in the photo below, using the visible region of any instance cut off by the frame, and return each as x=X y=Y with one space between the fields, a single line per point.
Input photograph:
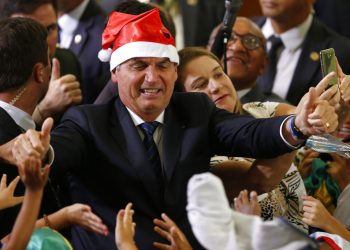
x=25 y=73
x=246 y=60
x=113 y=156
x=297 y=66
x=81 y=24
x=64 y=89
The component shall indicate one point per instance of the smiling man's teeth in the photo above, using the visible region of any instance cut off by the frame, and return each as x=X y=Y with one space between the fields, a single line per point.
x=150 y=91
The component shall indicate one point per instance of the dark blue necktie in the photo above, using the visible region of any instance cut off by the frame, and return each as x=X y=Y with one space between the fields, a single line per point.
x=266 y=80
x=148 y=129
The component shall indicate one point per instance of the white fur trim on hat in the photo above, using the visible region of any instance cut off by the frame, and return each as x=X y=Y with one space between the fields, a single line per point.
x=143 y=49
x=105 y=55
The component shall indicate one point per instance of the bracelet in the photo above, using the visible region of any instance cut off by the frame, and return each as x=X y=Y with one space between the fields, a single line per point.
x=296 y=133
x=47 y=222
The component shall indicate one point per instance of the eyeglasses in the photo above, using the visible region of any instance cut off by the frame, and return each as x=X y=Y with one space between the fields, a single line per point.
x=249 y=41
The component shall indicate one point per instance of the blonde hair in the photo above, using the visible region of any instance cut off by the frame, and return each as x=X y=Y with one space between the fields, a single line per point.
x=187 y=55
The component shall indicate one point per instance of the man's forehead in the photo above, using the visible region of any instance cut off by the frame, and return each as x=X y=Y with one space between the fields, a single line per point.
x=148 y=60
x=244 y=27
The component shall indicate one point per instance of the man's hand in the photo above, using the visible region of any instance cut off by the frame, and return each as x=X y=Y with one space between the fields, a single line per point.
x=64 y=91
x=32 y=144
x=6 y=193
x=316 y=116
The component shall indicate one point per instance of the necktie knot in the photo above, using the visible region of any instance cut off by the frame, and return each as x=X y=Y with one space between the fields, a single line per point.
x=149 y=127
x=276 y=42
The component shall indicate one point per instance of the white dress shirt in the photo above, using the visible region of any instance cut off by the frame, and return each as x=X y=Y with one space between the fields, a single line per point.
x=289 y=54
x=69 y=22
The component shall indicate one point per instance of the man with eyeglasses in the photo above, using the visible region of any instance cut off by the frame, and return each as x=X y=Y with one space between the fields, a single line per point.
x=64 y=89
x=246 y=60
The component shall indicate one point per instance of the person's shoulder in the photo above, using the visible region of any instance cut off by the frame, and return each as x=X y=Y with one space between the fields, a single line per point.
x=324 y=31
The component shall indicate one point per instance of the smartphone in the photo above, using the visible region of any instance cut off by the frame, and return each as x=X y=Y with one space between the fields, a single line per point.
x=329 y=64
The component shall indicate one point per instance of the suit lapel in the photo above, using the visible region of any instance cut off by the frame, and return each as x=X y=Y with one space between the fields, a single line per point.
x=130 y=144
x=172 y=136
x=308 y=62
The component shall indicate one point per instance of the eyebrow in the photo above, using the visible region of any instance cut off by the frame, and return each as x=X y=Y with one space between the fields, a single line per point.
x=216 y=68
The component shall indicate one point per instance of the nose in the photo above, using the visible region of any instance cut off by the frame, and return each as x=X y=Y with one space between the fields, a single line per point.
x=151 y=74
x=214 y=86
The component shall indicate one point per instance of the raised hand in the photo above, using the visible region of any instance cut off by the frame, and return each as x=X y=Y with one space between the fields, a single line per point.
x=125 y=229
x=315 y=116
x=247 y=205
x=315 y=214
x=32 y=144
x=171 y=232
x=63 y=92
x=33 y=176
x=6 y=193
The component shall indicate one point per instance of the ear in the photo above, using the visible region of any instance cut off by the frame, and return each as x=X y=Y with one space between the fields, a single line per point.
x=38 y=72
x=263 y=65
x=114 y=75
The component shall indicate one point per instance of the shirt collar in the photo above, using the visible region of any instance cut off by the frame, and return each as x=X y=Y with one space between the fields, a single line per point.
x=292 y=38
x=242 y=92
x=21 y=118
x=138 y=120
x=69 y=21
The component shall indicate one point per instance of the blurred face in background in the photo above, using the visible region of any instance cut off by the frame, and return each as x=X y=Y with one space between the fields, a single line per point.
x=285 y=10
x=246 y=57
x=204 y=74
x=45 y=15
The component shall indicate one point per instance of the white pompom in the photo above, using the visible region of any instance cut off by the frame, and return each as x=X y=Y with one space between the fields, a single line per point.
x=105 y=54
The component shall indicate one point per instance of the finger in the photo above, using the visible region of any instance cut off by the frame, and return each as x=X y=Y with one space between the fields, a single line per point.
x=175 y=235
x=310 y=102
x=56 y=69
x=14 y=183
x=46 y=127
x=162 y=233
x=3 y=182
x=161 y=246
x=167 y=219
x=161 y=223
x=339 y=69
x=322 y=85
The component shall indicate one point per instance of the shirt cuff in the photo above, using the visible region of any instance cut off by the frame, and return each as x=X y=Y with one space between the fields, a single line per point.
x=284 y=139
x=50 y=156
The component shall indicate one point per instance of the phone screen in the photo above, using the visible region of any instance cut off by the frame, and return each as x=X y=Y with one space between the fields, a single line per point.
x=329 y=64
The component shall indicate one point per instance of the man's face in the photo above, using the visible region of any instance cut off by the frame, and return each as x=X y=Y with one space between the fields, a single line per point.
x=245 y=64
x=283 y=9
x=145 y=85
x=45 y=15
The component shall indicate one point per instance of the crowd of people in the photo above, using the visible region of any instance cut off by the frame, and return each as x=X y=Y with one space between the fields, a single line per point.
x=111 y=138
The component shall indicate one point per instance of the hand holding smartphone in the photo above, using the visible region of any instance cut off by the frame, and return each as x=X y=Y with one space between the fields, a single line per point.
x=329 y=64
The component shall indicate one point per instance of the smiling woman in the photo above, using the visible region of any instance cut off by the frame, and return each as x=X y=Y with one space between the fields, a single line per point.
x=201 y=71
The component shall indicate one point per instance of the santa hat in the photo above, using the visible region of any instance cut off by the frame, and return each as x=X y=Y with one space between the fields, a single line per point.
x=127 y=36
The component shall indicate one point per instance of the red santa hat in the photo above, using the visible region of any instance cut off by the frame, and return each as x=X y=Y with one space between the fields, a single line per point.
x=127 y=36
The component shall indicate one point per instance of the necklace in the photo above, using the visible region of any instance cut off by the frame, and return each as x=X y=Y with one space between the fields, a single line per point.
x=16 y=98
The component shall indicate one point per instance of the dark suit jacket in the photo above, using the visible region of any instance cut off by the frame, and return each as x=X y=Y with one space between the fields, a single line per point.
x=90 y=28
x=257 y=95
x=335 y=14
x=308 y=71
x=9 y=130
x=100 y=145
x=69 y=63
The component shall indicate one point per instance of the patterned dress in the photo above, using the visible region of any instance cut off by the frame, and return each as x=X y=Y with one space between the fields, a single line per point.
x=285 y=200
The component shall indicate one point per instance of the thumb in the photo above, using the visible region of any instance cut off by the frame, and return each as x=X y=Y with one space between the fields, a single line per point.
x=47 y=126
x=56 y=69
x=310 y=101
